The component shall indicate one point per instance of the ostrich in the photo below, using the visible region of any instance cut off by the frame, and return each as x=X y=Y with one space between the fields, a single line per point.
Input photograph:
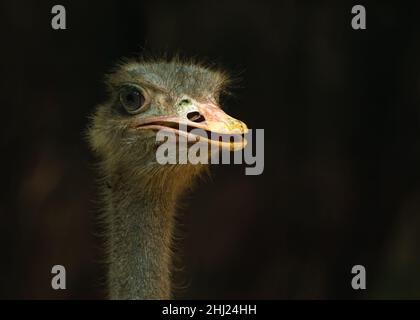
x=139 y=194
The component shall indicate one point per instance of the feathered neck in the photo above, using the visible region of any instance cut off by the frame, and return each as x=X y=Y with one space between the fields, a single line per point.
x=140 y=207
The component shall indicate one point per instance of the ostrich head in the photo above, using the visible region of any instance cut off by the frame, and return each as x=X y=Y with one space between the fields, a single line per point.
x=146 y=97
x=140 y=194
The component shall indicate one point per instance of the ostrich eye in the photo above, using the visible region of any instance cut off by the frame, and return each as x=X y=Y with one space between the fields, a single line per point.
x=131 y=99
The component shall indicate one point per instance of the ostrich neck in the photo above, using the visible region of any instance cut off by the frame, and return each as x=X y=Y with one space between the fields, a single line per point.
x=140 y=218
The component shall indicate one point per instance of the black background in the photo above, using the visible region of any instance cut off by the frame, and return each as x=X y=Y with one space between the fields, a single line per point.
x=340 y=109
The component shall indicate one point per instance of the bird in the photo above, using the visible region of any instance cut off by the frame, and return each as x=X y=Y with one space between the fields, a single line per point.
x=139 y=196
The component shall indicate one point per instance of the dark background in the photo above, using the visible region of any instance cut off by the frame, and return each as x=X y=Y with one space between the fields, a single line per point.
x=340 y=109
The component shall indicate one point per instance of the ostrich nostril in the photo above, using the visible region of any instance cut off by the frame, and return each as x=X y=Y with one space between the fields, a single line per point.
x=195 y=116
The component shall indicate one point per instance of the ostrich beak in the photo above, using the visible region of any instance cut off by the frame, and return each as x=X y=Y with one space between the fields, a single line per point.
x=216 y=127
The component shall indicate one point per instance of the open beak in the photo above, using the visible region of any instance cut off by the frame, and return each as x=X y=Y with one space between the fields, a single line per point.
x=217 y=127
